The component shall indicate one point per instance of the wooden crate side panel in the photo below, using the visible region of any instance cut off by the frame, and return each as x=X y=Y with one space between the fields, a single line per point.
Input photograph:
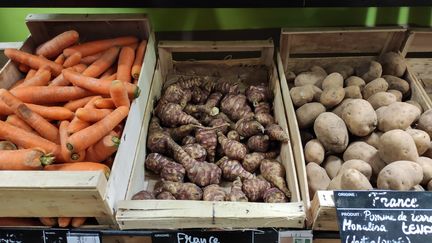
x=324 y=212
x=419 y=41
x=298 y=65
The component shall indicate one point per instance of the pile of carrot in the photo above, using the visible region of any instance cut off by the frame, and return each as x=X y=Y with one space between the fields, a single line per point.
x=67 y=113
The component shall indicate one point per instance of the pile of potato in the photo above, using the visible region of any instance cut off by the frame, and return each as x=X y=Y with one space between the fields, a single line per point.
x=360 y=129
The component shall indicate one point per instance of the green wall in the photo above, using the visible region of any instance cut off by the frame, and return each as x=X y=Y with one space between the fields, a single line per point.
x=164 y=19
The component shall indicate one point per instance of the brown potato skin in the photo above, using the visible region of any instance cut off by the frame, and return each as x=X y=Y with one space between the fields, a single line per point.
x=369 y=71
x=425 y=122
x=332 y=132
x=352 y=179
x=398 y=115
x=393 y=64
x=381 y=99
x=314 y=152
x=355 y=81
x=426 y=164
x=303 y=94
x=421 y=139
x=332 y=96
x=359 y=165
x=372 y=139
x=400 y=175
x=375 y=86
x=317 y=178
x=397 y=83
x=359 y=117
x=333 y=80
x=397 y=145
x=307 y=113
x=396 y=93
x=332 y=165
x=353 y=92
x=363 y=151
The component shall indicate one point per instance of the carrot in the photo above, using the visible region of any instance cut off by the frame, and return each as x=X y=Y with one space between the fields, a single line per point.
x=18 y=122
x=52 y=112
x=133 y=46
x=109 y=71
x=110 y=78
x=25 y=139
x=47 y=221
x=56 y=45
x=125 y=62
x=90 y=135
x=92 y=115
x=35 y=62
x=78 y=124
x=75 y=104
x=103 y=149
x=65 y=153
x=24 y=159
x=95 y=85
x=72 y=60
x=36 y=121
x=91 y=59
x=41 y=78
x=119 y=94
x=64 y=222
x=30 y=74
x=135 y=81
x=23 y=68
x=49 y=94
x=5 y=110
x=60 y=59
x=94 y=47
x=78 y=221
x=6 y=145
x=79 y=166
x=61 y=81
x=10 y=221
x=139 y=57
x=105 y=103
x=103 y=63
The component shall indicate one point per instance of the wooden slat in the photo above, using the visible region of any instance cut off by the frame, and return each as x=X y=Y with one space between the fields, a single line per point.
x=324 y=212
x=421 y=41
x=297 y=65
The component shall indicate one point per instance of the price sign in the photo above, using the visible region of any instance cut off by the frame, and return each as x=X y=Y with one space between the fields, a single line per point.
x=384 y=216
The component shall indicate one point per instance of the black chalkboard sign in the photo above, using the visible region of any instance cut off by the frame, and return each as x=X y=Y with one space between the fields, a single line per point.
x=384 y=216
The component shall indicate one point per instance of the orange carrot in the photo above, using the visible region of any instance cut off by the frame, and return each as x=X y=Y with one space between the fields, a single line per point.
x=110 y=78
x=61 y=81
x=91 y=59
x=92 y=115
x=56 y=45
x=35 y=62
x=17 y=83
x=18 y=122
x=60 y=59
x=78 y=221
x=47 y=221
x=24 y=159
x=72 y=60
x=23 y=68
x=64 y=222
x=90 y=135
x=79 y=68
x=136 y=68
x=119 y=94
x=5 y=110
x=65 y=153
x=94 y=47
x=105 y=103
x=36 y=121
x=30 y=74
x=41 y=78
x=52 y=112
x=109 y=71
x=78 y=124
x=133 y=46
x=103 y=63
x=26 y=139
x=125 y=62
x=79 y=166
x=75 y=104
x=50 y=94
x=95 y=85
x=103 y=149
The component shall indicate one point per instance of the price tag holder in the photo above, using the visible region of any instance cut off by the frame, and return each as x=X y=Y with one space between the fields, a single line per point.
x=384 y=216
x=79 y=237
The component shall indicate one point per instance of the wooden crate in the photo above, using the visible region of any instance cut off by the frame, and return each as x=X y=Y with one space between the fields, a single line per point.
x=160 y=214
x=301 y=49
x=78 y=194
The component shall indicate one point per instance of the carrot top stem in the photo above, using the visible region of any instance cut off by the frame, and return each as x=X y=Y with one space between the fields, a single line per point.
x=137 y=92
x=69 y=147
x=75 y=156
x=47 y=159
x=116 y=141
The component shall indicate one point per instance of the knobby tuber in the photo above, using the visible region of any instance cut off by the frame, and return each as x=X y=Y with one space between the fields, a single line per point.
x=232 y=149
x=199 y=96
x=188 y=140
x=252 y=161
x=172 y=115
x=189 y=83
x=274 y=195
x=165 y=196
x=181 y=191
x=258 y=143
x=248 y=127
x=231 y=169
x=235 y=106
x=157 y=137
x=255 y=188
x=208 y=139
x=233 y=135
x=178 y=133
x=167 y=168
x=236 y=194
x=256 y=94
x=143 y=195
x=213 y=193
x=275 y=132
x=175 y=94
x=274 y=172
x=263 y=115
x=222 y=86
x=196 y=151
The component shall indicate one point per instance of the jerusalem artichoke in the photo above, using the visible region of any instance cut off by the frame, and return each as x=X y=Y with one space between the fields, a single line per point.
x=275 y=132
x=196 y=151
x=181 y=191
x=248 y=127
x=231 y=169
x=175 y=94
x=157 y=137
x=165 y=196
x=233 y=135
x=235 y=106
x=256 y=94
x=143 y=195
x=208 y=139
x=232 y=149
x=262 y=114
x=222 y=86
x=199 y=96
x=178 y=133
x=236 y=194
x=188 y=140
x=213 y=193
x=274 y=195
x=274 y=172
x=255 y=188
x=172 y=115
x=258 y=143
x=252 y=161
x=166 y=167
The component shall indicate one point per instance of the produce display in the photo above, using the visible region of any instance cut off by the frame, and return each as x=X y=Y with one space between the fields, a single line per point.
x=68 y=112
x=360 y=127
x=213 y=138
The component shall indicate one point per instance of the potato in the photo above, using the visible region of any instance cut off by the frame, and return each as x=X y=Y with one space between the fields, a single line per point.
x=335 y=183
x=396 y=93
x=416 y=104
x=421 y=139
x=373 y=87
x=353 y=92
x=338 y=110
x=397 y=145
x=417 y=188
x=318 y=69
x=305 y=137
x=314 y=151
x=400 y=175
x=310 y=77
x=426 y=164
x=428 y=152
x=290 y=76
x=317 y=178
x=363 y=151
x=393 y=64
x=333 y=80
x=332 y=96
x=429 y=185
x=307 y=113
x=359 y=165
x=332 y=132
x=302 y=95
x=397 y=84
x=332 y=165
x=372 y=139
x=425 y=122
x=344 y=69
x=381 y=99
x=352 y=179
x=360 y=117
x=317 y=93
x=398 y=115
x=369 y=71
x=355 y=81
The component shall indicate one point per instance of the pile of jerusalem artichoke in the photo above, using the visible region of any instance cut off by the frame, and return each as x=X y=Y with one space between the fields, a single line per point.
x=205 y=134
